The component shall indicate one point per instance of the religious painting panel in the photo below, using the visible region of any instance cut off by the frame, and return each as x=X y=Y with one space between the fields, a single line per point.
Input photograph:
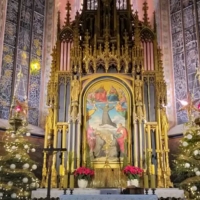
x=107 y=122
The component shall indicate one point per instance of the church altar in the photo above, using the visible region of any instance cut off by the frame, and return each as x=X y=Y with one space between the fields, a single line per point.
x=160 y=192
x=108 y=197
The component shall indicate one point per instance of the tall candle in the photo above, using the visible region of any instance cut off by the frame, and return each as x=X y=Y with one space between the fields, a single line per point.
x=61 y=170
x=153 y=181
x=153 y=169
x=146 y=181
x=65 y=183
x=71 y=184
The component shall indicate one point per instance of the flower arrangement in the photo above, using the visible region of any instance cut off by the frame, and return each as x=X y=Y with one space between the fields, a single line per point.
x=132 y=172
x=84 y=173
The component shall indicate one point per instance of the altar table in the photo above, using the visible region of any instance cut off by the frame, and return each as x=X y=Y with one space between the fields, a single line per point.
x=160 y=192
x=108 y=197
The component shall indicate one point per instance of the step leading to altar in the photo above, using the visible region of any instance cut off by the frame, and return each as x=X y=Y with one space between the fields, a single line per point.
x=108 y=197
x=160 y=192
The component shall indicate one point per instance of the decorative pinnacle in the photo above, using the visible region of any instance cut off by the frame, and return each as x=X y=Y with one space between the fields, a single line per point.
x=137 y=31
x=146 y=18
x=68 y=9
x=58 y=23
x=154 y=14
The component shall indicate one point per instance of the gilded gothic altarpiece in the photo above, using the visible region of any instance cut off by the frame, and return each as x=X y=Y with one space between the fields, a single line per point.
x=107 y=95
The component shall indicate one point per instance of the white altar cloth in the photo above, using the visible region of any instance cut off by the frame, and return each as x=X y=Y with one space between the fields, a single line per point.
x=160 y=192
x=108 y=197
x=169 y=192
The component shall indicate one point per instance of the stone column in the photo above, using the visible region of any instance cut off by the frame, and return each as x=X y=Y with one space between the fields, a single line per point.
x=164 y=41
x=49 y=42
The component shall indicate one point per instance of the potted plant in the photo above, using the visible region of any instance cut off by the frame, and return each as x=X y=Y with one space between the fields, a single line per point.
x=83 y=174
x=133 y=173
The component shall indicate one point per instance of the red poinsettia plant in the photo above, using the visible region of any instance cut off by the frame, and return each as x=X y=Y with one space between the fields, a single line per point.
x=132 y=172
x=84 y=173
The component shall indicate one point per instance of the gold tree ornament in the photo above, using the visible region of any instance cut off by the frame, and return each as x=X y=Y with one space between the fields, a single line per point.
x=189 y=105
x=21 y=108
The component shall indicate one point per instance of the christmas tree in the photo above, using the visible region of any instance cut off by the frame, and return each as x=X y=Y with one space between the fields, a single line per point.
x=17 y=179
x=187 y=163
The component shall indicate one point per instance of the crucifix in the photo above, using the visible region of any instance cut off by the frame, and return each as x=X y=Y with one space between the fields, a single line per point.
x=51 y=150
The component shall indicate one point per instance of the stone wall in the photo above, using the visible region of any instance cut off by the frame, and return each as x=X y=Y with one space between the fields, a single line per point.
x=164 y=41
x=50 y=33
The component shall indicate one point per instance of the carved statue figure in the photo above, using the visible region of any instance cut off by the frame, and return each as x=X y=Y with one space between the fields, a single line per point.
x=138 y=89
x=75 y=89
x=164 y=121
x=74 y=112
x=139 y=110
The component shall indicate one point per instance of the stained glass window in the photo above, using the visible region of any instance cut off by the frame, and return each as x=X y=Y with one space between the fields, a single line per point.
x=22 y=44
x=185 y=50
x=92 y=4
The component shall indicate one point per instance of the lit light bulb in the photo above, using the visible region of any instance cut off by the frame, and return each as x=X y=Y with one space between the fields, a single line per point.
x=198 y=173
x=189 y=136
x=183 y=102
x=28 y=134
x=187 y=165
x=13 y=195
x=10 y=183
x=18 y=108
x=195 y=152
x=34 y=167
x=12 y=166
x=25 y=180
x=185 y=144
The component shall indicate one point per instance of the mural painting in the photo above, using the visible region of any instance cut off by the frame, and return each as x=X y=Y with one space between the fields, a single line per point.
x=106 y=121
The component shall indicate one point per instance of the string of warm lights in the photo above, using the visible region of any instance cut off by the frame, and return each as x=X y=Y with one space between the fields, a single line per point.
x=17 y=179
x=187 y=163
